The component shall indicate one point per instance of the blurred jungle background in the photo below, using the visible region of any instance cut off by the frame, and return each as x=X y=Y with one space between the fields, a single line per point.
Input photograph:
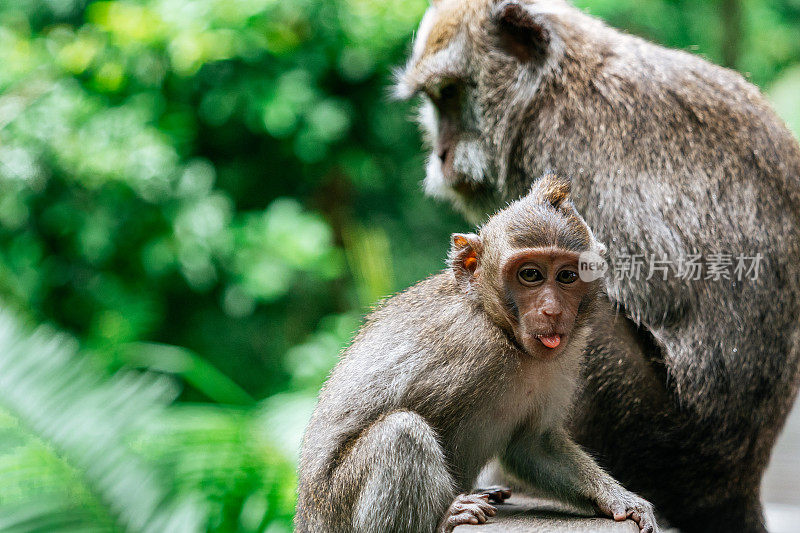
x=199 y=199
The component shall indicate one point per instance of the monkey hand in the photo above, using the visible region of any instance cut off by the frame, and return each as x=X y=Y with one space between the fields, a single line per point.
x=622 y=504
x=468 y=509
x=496 y=493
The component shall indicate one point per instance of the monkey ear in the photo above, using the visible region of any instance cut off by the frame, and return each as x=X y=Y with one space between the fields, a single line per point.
x=463 y=258
x=523 y=34
x=551 y=189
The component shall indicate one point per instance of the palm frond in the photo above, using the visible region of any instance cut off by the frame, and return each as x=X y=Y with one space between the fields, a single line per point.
x=87 y=421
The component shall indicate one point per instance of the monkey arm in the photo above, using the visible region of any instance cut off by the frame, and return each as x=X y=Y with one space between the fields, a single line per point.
x=553 y=462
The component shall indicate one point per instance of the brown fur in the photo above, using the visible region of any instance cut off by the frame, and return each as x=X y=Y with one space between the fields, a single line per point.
x=441 y=35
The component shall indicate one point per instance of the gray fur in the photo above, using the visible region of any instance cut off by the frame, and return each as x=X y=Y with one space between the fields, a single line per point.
x=433 y=387
x=687 y=382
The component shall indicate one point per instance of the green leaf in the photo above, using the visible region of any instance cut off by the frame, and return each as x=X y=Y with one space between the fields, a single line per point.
x=87 y=420
x=194 y=369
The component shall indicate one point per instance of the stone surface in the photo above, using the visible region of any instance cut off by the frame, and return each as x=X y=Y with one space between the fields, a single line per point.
x=524 y=513
x=781 y=480
x=781 y=488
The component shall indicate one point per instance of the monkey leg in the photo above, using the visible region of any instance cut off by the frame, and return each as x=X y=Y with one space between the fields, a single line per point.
x=400 y=471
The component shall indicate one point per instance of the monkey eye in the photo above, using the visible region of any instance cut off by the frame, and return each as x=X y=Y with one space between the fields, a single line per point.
x=567 y=276
x=445 y=95
x=448 y=92
x=530 y=275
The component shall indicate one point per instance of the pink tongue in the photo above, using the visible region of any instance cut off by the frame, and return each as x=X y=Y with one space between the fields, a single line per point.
x=552 y=341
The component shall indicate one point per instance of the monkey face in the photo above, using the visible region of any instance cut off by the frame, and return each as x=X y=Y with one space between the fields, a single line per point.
x=522 y=268
x=543 y=296
x=461 y=166
x=476 y=65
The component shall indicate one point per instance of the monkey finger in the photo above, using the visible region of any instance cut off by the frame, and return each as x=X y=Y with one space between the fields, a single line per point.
x=499 y=496
x=464 y=507
x=487 y=508
x=646 y=521
x=476 y=510
x=482 y=502
x=462 y=518
x=471 y=516
x=496 y=494
x=619 y=512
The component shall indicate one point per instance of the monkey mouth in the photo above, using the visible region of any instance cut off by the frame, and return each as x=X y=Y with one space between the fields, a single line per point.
x=463 y=186
x=479 y=195
x=551 y=341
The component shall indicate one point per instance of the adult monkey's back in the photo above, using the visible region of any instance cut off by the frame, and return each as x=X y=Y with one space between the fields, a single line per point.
x=670 y=155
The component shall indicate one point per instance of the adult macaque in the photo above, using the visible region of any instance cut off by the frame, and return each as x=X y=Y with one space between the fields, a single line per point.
x=475 y=362
x=688 y=381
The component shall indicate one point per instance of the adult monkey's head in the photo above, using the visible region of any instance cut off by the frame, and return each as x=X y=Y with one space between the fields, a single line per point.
x=478 y=64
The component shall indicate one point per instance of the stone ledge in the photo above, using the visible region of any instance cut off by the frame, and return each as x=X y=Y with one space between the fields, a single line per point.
x=524 y=513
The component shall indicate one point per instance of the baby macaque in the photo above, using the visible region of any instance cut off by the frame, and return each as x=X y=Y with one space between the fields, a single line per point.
x=475 y=363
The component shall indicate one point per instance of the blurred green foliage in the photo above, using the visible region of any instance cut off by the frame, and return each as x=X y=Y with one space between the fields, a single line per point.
x=214 y=192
